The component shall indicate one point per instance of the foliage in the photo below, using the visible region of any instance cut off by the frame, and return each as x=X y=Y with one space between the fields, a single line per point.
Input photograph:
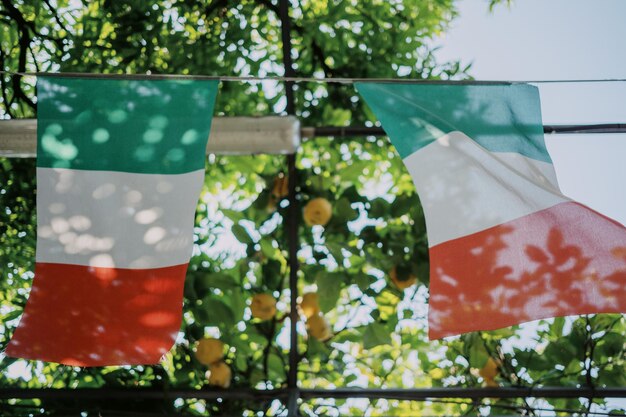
x=494 y=3
x=241 y=244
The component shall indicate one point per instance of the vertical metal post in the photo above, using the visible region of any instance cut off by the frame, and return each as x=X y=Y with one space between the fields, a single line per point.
x=287 y=60
x=292 y=219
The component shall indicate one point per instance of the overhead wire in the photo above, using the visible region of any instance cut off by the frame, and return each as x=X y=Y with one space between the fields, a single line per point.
x=335 y=80
x=348 y=131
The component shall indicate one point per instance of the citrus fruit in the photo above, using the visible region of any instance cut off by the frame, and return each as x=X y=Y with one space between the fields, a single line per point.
x=489 y=382
x=319 y=328
x=280 y=188
x=209 y=350
x=309 y=304
x=263 y=306
x=490 y=370
x=318 y=212
x=272 y=204
x=401 y=284
x=219 y=374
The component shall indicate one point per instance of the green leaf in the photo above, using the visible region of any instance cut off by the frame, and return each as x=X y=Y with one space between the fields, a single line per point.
x=403 y=204
x=610 y=345
x=532 y=360
x=379 y=208
x=328 y=289
x=189 y=291
x=241 y=234
x=603 y=321
x=267 y=247
x=344 y=211
x=215 y=312
x=364 y=281
x=276 y=366
x=11 y=315
x=561 y=351
x=478 y=354
x=237 y=303
x=241 y=363
x=272 y=276
x=350 y=379
x=205 y=282
x=234 y=215
x=335 y=249
x=376 y=334
x=317 y=349
x=557 y=327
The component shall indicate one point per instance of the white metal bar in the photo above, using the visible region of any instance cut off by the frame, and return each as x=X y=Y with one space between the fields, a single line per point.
x=229 y=136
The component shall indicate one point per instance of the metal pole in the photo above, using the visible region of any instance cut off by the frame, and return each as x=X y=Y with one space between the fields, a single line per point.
x=414 y=394
x=351 y=131
x=471 y=393
x=292 y=220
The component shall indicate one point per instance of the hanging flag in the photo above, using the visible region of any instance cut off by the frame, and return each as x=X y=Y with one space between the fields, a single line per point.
x=120 y=166
x=505 y=245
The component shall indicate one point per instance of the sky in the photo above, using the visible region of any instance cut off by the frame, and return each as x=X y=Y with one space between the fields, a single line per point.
x=559 y=40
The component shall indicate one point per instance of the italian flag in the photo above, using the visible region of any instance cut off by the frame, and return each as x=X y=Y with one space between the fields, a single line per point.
x=120 y=165
x=505 y=245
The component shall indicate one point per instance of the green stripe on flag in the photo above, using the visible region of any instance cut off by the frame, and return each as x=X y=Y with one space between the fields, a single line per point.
x=139 y=126
x=499 y=117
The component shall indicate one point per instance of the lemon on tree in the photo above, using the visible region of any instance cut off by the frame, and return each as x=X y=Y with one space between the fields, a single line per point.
x=219 y=374
x=263 y=306
x=319 y=328
x=209 y=350
x=280 y=189
x=490 y=383
x=317 y=212
x=399 y=283
x=272 y=204
x=489 y=371
x=310 y=304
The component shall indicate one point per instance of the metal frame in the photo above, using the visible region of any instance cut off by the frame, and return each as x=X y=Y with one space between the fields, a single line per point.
x=410 y=394
x=290 y=396
x=292 y=393
x=243 y=135
x=352 y=131
x=292 y=220
x=229 y=136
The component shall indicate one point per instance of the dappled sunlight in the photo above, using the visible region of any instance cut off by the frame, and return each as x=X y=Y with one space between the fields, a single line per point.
x=160 y=285
x=120 y=164
x=505 y=245
x=458 y=179
x=131 y=317
x=159 y=319
x=117 y=220
x=493 y=115
x=122 y=124
x=556 y=262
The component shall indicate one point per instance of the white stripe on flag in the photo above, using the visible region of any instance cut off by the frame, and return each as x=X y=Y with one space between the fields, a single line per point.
x=115 y=219
x=465 y=188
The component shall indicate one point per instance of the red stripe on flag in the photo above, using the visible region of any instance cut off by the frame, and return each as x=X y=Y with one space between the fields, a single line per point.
x=87 y=316
x=564 y=260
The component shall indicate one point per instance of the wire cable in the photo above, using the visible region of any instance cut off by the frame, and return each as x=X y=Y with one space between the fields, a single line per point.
x=335 y=80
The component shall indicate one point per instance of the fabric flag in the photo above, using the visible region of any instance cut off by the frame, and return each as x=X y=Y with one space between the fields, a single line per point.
x=505 y=245
x=120 y=166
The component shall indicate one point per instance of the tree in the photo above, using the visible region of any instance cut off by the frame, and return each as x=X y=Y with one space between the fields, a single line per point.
x=376 y=227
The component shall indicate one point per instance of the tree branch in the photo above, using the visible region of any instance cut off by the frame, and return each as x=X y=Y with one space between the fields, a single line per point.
x=55 y=15
x=3 y=85
x=24 y=44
